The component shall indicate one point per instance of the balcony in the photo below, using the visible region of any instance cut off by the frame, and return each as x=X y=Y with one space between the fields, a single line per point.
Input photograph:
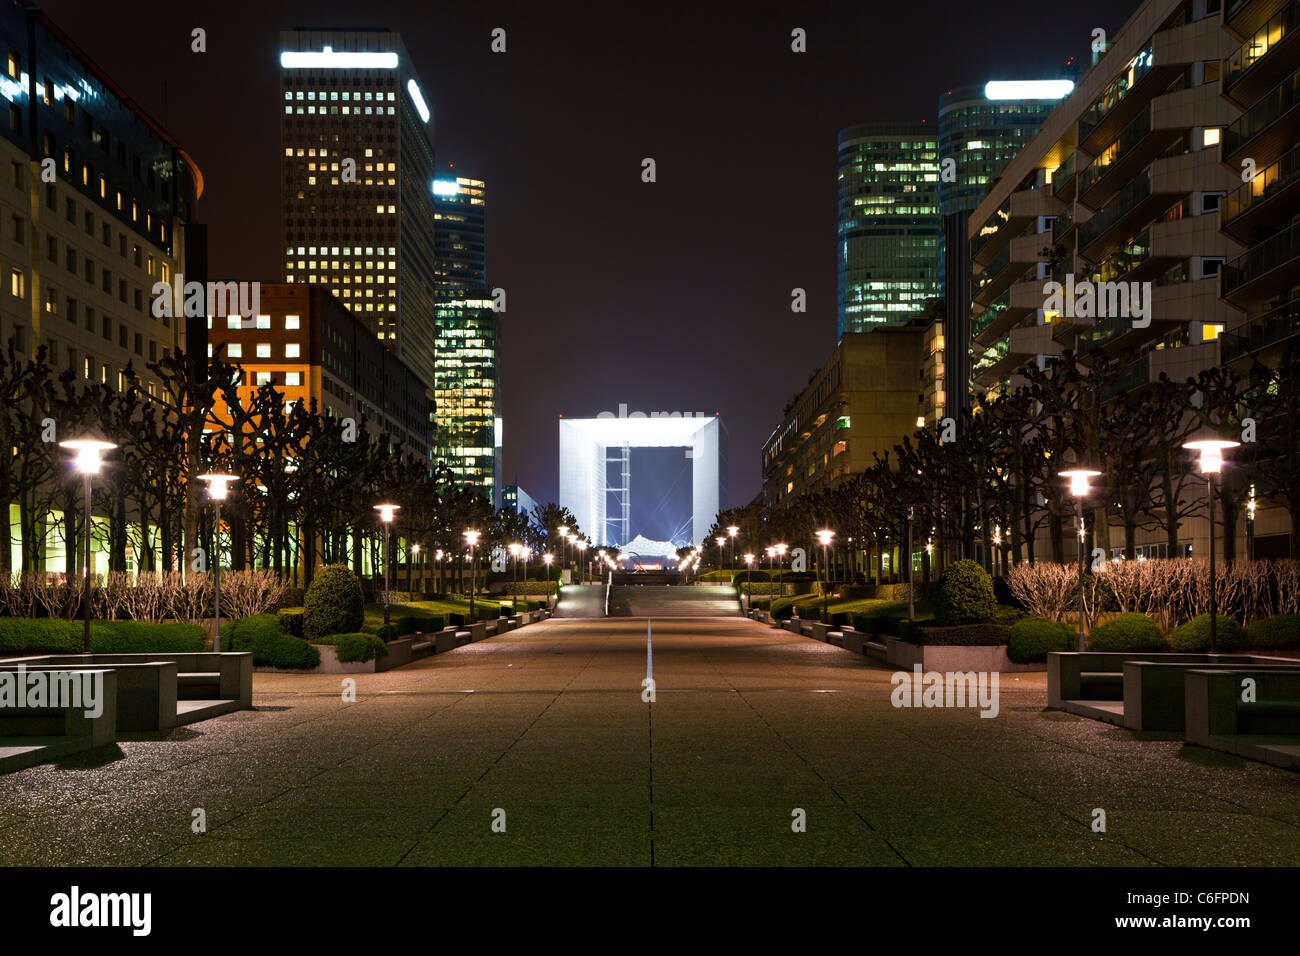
x=992 y=237
x=1266 y=202
x=1269 y=268
x=1262 y=333
x=1268 y=129
x=1030 y=338
x=1131 y=151
x=1143 y=78
x=990 y=283
x=1265 y=58
x=1134 y=377
x=1133 y=206
x=1244 y=17
x=1063 y=178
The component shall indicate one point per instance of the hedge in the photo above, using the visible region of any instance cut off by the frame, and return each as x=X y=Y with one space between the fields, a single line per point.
x=291 y=620
x=1032 y=637
x=1128 y=632
x=1278 y=633
x=959 y=635
x=1193 y=637
x=355 y=648
x=271 y=647
x=58 y=635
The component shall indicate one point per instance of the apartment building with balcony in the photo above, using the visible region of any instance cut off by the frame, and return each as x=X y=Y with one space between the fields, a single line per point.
x=1122 y=184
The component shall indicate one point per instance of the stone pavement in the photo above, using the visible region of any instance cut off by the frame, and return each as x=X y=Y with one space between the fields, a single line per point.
x=547 y=724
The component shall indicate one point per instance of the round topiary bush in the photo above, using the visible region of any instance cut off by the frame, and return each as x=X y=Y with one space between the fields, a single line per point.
x=1194 y=636
x=1032 y=638
x=1278 y=633
x=334 y=604
x=1128 y=632
x=964 y=595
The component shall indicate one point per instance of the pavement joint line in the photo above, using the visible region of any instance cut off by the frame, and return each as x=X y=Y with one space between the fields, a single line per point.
x=807 y=763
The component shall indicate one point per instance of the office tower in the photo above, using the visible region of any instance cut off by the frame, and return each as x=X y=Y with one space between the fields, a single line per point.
x=466 y=371
x=888 y=229
x=357 y=214
x=82 y=253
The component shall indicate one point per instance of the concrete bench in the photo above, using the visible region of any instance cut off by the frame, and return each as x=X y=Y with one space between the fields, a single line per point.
x=1066 y=670
x=32 y=735
x=445 y=640
x=146 y=693
x=819 y=631
x=1265 y=729
x=853 y=640
x=1155 y=691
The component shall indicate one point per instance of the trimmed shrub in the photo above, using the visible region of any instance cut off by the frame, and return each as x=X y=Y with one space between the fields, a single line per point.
x=1194 y=636
x=59 y=636
x=291 y=620
x=356 y=648
x=1128 y=632
x=1278 y=633
x=270 y=646
x=334 y=604
x=960 y=635
x=783 y=607
x=964 y=595
x=1031 y=638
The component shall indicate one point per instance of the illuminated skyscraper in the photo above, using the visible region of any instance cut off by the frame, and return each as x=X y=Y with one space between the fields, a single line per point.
x=356 y=137
x=887 y=254
x=465 y=375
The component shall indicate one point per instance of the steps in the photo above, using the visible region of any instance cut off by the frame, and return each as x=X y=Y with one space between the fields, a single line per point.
x=656 y=601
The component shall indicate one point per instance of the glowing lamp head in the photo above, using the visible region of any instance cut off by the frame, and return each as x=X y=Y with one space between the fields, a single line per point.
x=386 y=512
x=88 y=452
x=732 y=530
x=218 y=485
x=514 y=550
x=721 y=541
x=749 y=559
x=781 y=549
x=548 y=558
x=564 y=530
x=1211 y=451
x=1079 y=480
x=580 y=545
x=415 y=549
x=471 y=538
x=770 y=552
x=825 y=537
x=437 y=555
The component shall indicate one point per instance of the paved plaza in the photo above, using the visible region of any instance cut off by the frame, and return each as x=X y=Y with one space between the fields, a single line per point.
x=544 y=730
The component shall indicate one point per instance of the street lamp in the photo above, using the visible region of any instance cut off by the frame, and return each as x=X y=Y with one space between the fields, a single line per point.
x=410 y=568
x=548 y=558
x=749 y=579
x=564 y=536
x=471 y=538
x=88 y=463
x=386 y=513
x=722 y=559
x=1079 y=489
x=514 y=550
x=911 y=585
x=781 y=549
x=437 y=557
x=732 y=531
x=217 y=487
x=825 y=538
x=581 y=545
x=1211 y=451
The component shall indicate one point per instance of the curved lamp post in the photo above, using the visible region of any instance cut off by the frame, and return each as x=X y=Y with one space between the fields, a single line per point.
x=386 y=512
x=218 y=485
x=1079 y=489
x=1211 y=451
x=88 y=463
x=732 y=531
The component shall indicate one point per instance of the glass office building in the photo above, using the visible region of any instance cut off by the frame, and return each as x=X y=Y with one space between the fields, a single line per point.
x=888 y=228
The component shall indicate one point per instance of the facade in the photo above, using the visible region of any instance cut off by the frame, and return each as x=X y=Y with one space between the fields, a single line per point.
x=313 y=349
x=357 y=173
x=866 y=398
x=519 y=501
x=888 y=223
x=982 y=128
x=79 y=255
x=465 y=370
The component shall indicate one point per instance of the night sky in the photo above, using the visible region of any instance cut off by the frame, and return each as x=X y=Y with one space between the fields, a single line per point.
x=666 y=296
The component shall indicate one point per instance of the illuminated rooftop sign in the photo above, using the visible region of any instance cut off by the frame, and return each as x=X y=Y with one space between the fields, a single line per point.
x=445 y=187
x=418 y=99
x=327 y=59
x=1027 y=89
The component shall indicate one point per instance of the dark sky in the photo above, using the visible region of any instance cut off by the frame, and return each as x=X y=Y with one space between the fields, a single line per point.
x=666 y=296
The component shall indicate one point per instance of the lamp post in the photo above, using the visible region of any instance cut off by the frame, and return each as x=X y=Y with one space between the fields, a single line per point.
x=722 y=555
x=514 y=550
x=1079 y=489
x=581 y=545
x=88 y=463
x=749 y=579
x=386 y=512
x=437 y=558
x=911 y=589
x=732 y=531
x=1250 y=525
x=217 y=487
x=548 y=558
x=771 y=572
x=564 y=537
x=410 y=567
x=781 y=549
x=825 y=538
x=471 y=538
x=1211 y=451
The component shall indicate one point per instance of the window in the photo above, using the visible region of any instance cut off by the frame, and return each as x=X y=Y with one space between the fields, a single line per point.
x=121 y=336
x=263 y=321
x=235 y=350
x=106 y=327
x=70 y=259
x=1210 y=266
x=72 y=309
x=263 y=378
x=292 y=350
x=19 y=231
x=15 y=66
x=1211 y=331
x=291 y=322
x=233 y=322
x=293 y=378
x=263 y=351
x=1210 y=202
x=17 y=283
x=52 y=248
x=51 y=301
x=1210 y=136
x=139 y=344
x=16 y=174
x=16 y=120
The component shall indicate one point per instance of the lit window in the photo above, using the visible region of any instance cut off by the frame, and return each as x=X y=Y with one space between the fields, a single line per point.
x=293 y=378
x=264 y=351
x=292 y=350
x=291 y=321
x=263 y=378
x=1211 y=331
x=263 y=321
x=1210 y=136
x=235 y=350
x=233 y=322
